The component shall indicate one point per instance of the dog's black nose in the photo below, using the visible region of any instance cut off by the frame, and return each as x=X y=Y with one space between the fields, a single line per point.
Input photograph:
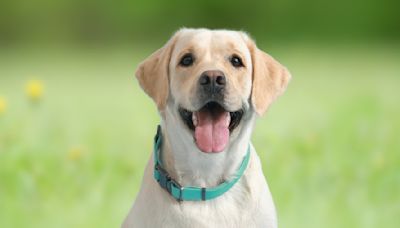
x=212 y=80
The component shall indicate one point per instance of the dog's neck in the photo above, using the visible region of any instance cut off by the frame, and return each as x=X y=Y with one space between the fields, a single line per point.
x=189 y=166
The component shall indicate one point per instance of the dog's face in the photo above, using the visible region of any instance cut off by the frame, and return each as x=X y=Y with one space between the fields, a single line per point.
x=211 y=80
x=210 y=67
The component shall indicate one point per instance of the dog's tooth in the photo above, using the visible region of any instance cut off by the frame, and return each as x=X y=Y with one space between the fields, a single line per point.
x=194 y=119
x=228 y=118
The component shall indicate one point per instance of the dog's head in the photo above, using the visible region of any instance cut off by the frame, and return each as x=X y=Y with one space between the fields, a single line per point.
x=211 y=80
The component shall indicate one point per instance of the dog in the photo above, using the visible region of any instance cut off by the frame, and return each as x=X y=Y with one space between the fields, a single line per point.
x=209 y=86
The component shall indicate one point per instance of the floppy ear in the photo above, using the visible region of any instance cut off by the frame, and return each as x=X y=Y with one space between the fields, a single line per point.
x=270 y=78
x=152 y=74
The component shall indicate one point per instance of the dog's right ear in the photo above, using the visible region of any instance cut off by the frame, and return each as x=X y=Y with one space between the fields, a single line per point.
x=152 y=74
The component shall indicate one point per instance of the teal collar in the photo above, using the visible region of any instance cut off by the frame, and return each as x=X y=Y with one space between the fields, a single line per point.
x=181 y=193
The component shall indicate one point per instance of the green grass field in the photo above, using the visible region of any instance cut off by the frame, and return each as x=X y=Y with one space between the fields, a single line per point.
x=330 y=146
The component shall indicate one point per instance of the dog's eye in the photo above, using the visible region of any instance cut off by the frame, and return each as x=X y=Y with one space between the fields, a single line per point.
x=187 y=60
x=236 y=61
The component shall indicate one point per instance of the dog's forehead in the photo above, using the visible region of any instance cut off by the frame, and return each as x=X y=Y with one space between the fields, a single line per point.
x=203 y=39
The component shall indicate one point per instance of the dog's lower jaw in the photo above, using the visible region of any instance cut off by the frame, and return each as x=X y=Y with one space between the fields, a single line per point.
x=191 y=167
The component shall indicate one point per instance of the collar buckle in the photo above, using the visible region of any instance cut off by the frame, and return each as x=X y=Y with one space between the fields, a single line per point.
x=177 y=186
x=164 y=178
x=167 y=183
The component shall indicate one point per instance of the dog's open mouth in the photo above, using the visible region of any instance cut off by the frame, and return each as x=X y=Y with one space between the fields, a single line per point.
x=212 y=125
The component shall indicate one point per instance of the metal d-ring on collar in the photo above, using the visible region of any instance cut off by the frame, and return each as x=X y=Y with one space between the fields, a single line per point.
x=181 y=193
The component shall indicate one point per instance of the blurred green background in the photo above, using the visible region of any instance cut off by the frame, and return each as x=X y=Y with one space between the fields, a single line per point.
x=76 y=130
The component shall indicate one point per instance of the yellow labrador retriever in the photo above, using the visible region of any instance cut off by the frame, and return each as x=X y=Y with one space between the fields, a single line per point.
x=209 y=86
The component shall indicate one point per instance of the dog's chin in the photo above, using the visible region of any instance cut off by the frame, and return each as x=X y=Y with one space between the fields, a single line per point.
x=211 y=125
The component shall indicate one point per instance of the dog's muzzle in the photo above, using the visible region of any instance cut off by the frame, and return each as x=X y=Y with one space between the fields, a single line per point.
x=211 y=86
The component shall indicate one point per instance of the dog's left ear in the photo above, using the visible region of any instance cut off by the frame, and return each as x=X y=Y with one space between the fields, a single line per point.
x=270 y=78
x=152 y=74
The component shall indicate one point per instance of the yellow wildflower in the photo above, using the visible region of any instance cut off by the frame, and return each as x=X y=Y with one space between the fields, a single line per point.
x=34 y=89
x=3 y=105
x=379 y=161
x=75 y=154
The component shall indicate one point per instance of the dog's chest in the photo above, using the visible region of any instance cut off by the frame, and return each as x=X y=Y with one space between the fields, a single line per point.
x=234 y=209
x=218 y=213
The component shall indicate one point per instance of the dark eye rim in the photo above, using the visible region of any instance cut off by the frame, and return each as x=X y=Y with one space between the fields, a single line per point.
x=187 y=55
x=236 y=64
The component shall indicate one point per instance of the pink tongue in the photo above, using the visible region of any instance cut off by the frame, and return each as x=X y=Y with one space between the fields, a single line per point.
x=212 y=131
